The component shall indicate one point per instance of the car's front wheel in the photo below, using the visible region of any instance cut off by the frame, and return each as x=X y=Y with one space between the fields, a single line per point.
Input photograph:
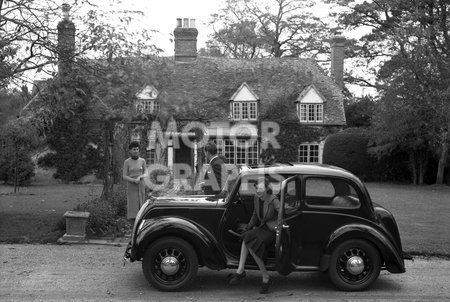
x=170 y=264
x=354 y=265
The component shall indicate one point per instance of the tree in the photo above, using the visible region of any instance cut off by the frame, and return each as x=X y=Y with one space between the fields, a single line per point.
x=411 y=38
x=15 y=161
x=28 y=35
x=251 y=29
x=76 y=147
x=11 y=102
x=360 y=112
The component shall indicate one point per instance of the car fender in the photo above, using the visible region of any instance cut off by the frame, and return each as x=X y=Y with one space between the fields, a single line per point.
x=392 y=258
x=204 y=243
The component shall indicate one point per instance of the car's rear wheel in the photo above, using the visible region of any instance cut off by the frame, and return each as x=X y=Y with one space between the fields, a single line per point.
x=354 y=265
x=170 y=264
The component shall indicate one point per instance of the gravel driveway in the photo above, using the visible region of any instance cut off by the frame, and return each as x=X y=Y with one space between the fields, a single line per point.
x=96 y=272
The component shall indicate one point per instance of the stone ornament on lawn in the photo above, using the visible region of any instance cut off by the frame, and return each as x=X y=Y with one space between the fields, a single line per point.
x=75 y=226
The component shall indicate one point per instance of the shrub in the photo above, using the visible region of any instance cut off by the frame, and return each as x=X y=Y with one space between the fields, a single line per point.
x=21 y=138
x=107 y=217
x=25 y=168
x=348 y=150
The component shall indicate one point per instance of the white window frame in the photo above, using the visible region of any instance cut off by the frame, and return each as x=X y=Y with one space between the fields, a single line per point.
x=310 y=113
x=231 y=148
x=238 y=109
x=312 y=153
x=150 y=106
x=151 y=156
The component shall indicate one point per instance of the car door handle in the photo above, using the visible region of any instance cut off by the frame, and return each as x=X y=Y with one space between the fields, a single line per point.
x=285 y=226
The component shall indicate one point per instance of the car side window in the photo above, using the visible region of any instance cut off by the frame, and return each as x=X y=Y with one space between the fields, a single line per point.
x=291 y=194
x=248 y=186
x=330 y=192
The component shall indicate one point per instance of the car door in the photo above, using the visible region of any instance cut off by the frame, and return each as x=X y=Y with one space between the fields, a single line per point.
x=324 y=210
x=288 y=235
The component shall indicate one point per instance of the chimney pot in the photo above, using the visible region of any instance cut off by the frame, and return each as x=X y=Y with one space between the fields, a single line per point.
x=66 y=42
x=185 y=35
x=65 y=11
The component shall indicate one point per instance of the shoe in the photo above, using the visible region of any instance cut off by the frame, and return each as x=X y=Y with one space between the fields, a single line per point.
x=236 y=278
x=265 y=286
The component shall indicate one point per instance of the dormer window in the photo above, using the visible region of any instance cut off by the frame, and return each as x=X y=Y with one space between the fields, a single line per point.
x=147 y=100
x=310 y=106
x=150 y=106
x=244 y=104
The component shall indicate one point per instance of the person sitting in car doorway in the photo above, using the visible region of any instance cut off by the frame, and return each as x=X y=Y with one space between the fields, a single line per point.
x=259 y=233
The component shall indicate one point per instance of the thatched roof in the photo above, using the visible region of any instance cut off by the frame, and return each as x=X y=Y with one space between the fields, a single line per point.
x=206 y=85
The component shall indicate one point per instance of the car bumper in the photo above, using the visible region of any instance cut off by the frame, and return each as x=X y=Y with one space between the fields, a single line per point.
x=128 y=255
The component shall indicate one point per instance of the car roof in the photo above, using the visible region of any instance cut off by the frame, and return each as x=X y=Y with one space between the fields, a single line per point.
x=300 y=168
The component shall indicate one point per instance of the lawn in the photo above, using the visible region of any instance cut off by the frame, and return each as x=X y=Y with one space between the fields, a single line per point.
x=31 y=215
x=422 y=215
x=422 y=212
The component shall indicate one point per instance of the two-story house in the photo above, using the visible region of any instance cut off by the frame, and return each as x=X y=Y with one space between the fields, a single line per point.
x=254 y=109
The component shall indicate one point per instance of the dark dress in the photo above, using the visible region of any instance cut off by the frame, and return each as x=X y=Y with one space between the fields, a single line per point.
x=264 y=218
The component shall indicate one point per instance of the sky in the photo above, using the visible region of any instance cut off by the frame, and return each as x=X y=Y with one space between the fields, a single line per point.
x=161 y=15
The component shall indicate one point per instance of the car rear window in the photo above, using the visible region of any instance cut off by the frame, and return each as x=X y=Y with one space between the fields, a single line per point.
x=330 y=192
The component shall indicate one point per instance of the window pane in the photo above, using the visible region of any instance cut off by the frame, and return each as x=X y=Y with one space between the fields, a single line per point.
x=303 y=153
x=311 y=113
x=345 y=195
x=248 y=186
x=319 y=111
x=302 y=112
x=236 y=111
x=314 y=153
x=253 y=110
x=150 y=157
x=229 y=151
x=318 y=187
x=240 y=152
x=245 y=110
x=253 y=153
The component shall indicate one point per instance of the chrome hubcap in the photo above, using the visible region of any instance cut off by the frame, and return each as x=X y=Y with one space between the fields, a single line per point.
x=355 y=265
x=170 y=265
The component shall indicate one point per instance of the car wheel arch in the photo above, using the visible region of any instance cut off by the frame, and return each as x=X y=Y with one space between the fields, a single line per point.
x=387 y=251
x=199 y=238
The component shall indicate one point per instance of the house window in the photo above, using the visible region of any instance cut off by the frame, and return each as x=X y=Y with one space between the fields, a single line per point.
x=253 y=110
x=237 y=151
x=311 y=113
x=240 y=152
x=151 y=156
x=308 y=153
x=244 y=111
x=150 y=106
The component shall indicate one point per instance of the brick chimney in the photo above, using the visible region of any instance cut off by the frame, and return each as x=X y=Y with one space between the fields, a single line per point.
x=337 y=60
x=185 y=40
x=66 y=42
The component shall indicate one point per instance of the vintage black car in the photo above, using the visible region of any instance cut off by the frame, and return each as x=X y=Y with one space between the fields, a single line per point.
x=327 y=223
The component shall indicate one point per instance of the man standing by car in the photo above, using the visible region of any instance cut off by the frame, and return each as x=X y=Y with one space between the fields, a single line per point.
x=215 y=176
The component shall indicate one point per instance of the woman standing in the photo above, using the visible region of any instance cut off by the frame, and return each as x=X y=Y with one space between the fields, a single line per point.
x=133 y=172
x=259 y=233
